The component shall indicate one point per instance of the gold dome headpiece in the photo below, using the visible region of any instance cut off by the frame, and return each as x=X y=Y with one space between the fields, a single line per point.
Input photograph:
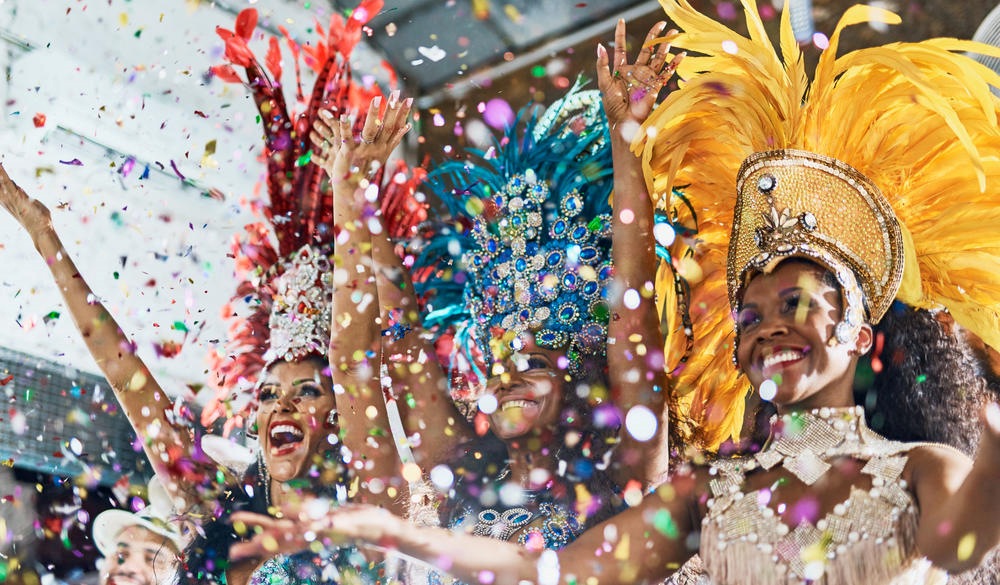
x=916 y=122
x=793 y=203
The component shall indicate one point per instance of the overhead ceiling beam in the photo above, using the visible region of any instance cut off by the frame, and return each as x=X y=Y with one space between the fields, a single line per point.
x=476 y=80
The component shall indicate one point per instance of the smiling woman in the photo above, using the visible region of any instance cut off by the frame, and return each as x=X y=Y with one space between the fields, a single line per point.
x=834 y=214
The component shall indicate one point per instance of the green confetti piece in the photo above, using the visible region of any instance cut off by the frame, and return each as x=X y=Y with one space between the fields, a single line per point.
x=376 y=432
x=410 y=400
x=304 y=159
x=115 y=274
x=179 y=326
x=52 y=316
x=595 y=224
x=538 y=71
x=921 y=378
x=664 y=523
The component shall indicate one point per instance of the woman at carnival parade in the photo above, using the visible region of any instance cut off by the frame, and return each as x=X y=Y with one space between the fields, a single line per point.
x=283 y=352
x=520 y=291
x=821 y=206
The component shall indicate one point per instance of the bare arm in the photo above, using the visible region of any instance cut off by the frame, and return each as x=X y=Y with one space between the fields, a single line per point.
x=145 y=404
x=959 y=500
x=418 y=380
x=635 y=347
x=355 y=352
x=645 y=544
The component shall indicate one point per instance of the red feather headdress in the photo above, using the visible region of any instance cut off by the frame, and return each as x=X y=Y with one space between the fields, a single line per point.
x=300 y=207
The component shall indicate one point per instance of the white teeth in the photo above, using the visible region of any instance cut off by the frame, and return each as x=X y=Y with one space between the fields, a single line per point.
x=787 y=355
x=517 y=404
x=286 y=429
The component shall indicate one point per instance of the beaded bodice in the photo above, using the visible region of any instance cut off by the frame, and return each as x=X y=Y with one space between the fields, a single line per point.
x=868 y=538
x=337 y=566
x=539 y=522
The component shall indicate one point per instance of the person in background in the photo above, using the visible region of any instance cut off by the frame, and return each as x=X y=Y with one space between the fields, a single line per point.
x=140 y=548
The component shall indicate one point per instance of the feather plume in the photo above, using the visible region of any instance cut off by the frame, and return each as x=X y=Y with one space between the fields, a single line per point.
x=918 y=119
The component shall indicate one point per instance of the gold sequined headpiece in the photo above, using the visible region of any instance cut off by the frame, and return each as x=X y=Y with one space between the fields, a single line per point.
x=793 y=203
x=913 y=122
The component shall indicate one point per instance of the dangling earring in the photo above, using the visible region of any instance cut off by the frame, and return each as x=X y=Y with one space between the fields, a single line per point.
x=265 y=477
x=251 y=431
x=331 y=418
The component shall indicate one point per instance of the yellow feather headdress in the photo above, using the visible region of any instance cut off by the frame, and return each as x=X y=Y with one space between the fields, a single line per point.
x=917 y=120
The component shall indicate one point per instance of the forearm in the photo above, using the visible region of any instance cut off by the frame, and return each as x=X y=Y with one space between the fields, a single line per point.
x=141 y=398
x=355 y=355
x=958 y=533
x=468 y=558
x=635 y=348
x=418 y=380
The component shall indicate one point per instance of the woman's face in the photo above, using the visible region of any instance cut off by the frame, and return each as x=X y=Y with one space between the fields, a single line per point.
x=528 y=386
x=784 y=328
x=295 y=400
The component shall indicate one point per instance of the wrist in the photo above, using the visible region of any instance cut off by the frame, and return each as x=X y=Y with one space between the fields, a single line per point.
x=47 y=241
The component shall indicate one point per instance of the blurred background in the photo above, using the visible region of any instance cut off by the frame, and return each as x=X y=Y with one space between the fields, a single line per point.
x=150 y=164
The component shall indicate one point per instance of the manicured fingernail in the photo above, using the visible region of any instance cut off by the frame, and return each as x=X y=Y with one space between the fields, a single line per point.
x=377 y=101
x=326 y=114
x=601 y=51
x=660 y=26
x=408 y=102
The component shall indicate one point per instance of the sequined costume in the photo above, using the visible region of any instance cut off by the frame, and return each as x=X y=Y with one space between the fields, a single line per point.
x=869 y=538
x=340 y=566
x=540 y=521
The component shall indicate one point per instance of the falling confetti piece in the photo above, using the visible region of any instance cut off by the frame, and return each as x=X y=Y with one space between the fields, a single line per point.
x=39 y=120
x=434 y=53
x=177 y=171
x=74 y=162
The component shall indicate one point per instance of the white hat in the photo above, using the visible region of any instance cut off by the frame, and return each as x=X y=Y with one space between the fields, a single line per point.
x=233 y=456
x=156 y=518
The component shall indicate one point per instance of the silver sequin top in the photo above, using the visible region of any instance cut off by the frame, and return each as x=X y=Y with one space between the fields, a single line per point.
x=869 y=538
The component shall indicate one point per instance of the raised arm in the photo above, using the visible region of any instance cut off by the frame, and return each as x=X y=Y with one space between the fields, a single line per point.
x=959 y=499
x=645 y=544
x=355 y=351
x=635 y=345
x=145 y=404
x=419 y=383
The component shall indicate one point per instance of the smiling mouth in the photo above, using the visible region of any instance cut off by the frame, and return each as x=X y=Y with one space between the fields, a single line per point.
x=517 y=404
x=285 y=438
x=780 y=359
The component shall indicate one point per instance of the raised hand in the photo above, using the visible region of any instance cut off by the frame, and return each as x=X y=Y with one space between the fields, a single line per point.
x=347 y=158
x=30 y=213
x=630 y=89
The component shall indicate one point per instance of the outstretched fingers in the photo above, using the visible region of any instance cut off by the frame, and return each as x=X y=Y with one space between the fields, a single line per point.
x=620 y=55
x=373 y=122
x=646 y=53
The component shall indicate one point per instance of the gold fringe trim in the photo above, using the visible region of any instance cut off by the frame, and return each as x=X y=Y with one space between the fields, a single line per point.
x=894 y=561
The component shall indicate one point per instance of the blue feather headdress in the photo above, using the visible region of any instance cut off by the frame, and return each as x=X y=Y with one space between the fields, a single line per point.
x=528 y=247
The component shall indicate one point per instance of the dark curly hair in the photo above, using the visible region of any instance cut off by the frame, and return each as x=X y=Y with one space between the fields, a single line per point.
x=922 y=382
x=206 y=558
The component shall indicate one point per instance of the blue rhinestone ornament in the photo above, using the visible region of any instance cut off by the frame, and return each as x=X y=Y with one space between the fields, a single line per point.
x=536 y=235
